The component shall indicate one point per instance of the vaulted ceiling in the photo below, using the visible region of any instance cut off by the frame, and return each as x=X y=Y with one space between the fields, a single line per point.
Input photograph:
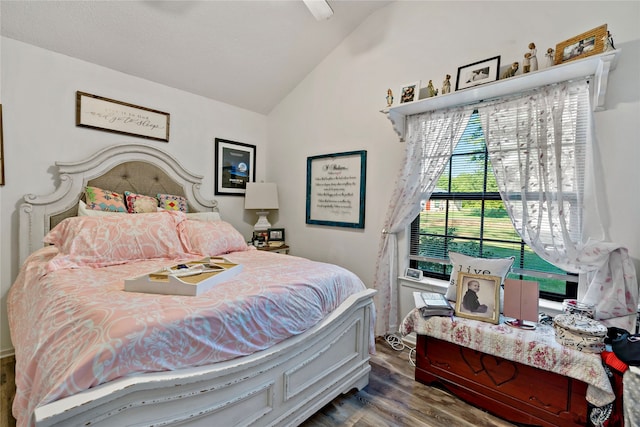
x=250 y=54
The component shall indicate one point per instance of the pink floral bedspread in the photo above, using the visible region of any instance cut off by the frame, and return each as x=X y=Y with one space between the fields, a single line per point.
x=537 y=348
x=75 y=329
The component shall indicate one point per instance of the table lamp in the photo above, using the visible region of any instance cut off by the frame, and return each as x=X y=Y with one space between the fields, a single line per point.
x=262 y=196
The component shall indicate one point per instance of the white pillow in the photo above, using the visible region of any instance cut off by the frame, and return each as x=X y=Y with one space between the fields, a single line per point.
x=467 y=264
x=83 y=210
x=204 y=216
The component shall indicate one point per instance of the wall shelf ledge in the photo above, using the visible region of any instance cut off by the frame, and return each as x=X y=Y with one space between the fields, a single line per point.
x=596 y=66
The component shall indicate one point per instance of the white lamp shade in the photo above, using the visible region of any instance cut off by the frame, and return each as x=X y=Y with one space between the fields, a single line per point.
x=261 y=195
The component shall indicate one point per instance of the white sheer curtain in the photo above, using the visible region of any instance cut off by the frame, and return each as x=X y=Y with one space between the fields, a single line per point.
x=538 y=145
x=431 y=138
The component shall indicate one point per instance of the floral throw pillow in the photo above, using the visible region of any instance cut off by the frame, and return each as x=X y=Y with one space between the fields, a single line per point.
x=104 y=200
x=139 y=203
x=211 y=238
x=171 y=202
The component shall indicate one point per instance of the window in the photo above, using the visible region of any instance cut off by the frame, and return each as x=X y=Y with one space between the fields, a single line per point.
x=466 y=214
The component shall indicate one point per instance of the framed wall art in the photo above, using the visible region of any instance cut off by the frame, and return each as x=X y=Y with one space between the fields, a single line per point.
x=478 y=73
x=478 y=297
x=409 y=92
x=235 y=165
x=586 y=44
x=336 y=186
x=1 y=150
x=97 y=112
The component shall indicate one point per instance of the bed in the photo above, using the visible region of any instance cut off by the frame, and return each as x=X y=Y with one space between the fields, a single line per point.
x=269 y=346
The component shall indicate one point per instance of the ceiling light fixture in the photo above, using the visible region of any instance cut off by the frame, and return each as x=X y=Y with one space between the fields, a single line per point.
x=320 y=9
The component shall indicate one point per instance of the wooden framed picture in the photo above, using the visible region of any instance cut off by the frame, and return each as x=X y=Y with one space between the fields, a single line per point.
x=276 y=234
x=478 y=73
x=336 y=185
x=409 y=92
x=586 y=44
x=478 y=297
x=235 y=166
x=97 y=112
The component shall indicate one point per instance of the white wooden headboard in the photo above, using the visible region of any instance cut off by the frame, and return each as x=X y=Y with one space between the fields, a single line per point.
x=135 y=167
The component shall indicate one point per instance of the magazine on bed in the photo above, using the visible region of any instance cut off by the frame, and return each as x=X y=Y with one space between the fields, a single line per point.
x=432 y=304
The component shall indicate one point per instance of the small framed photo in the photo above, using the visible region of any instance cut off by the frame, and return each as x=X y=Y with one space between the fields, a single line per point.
x=478 y=73
x=276 y=234
x=586 y=44
x=478 y=297
x=259 y=238
x=409 y=92
x=413 y=273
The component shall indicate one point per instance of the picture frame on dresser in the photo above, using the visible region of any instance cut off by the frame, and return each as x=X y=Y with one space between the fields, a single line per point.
x=478 y=297
x=478 y=73
x=276 y=234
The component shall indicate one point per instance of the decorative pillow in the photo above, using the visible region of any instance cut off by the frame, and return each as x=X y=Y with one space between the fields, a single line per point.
x=211 y=238
x=83 y=210
x=90 y=241
x=204 y=216
x=139 y=203
x=172 y=203
x=467 y=264
x=104 y=200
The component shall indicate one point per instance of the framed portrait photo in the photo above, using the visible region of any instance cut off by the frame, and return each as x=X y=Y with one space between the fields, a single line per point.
x=586 y=44
x=478 y=297
x=478 y=73
x=234 y=167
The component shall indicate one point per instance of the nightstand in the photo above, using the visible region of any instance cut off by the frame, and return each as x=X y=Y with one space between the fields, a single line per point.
x=284 y=249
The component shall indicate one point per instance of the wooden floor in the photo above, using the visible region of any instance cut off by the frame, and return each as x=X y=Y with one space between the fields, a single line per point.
x=392 y=398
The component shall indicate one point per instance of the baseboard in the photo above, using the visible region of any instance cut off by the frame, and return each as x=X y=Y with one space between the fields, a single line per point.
x=7 y=353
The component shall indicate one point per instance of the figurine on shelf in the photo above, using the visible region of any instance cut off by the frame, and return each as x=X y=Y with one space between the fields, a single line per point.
x=549 y=57
x=608 y=42
x=431 y=91
x=526 y=64
x=511 y=71
x=446 y=85
x=533 y=59
x=389 y=98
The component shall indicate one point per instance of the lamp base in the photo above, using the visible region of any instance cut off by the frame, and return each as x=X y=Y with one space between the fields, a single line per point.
x=263 y=223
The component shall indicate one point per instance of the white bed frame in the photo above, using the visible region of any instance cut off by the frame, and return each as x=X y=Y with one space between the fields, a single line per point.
x=282 y=385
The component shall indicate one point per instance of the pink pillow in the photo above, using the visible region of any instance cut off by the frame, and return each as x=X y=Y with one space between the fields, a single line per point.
x=91 y=241
x=139 y=203
x=211 y=238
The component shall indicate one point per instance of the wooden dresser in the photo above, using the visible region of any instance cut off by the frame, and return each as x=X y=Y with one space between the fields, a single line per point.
x=513 y=391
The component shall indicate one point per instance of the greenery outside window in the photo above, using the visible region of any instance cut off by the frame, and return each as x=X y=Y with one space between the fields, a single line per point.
x=465 y=214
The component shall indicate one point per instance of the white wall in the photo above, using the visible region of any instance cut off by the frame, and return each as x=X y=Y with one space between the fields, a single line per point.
x=336 y=108
x=38 y=88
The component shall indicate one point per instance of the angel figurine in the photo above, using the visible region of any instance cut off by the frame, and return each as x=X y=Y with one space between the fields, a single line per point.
x=549 y=57
x=533 y=59
x=446 y=84
x=431 y=91
x=389 y=98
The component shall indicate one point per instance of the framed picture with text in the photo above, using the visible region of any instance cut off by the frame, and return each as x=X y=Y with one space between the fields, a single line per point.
x=336 y=186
